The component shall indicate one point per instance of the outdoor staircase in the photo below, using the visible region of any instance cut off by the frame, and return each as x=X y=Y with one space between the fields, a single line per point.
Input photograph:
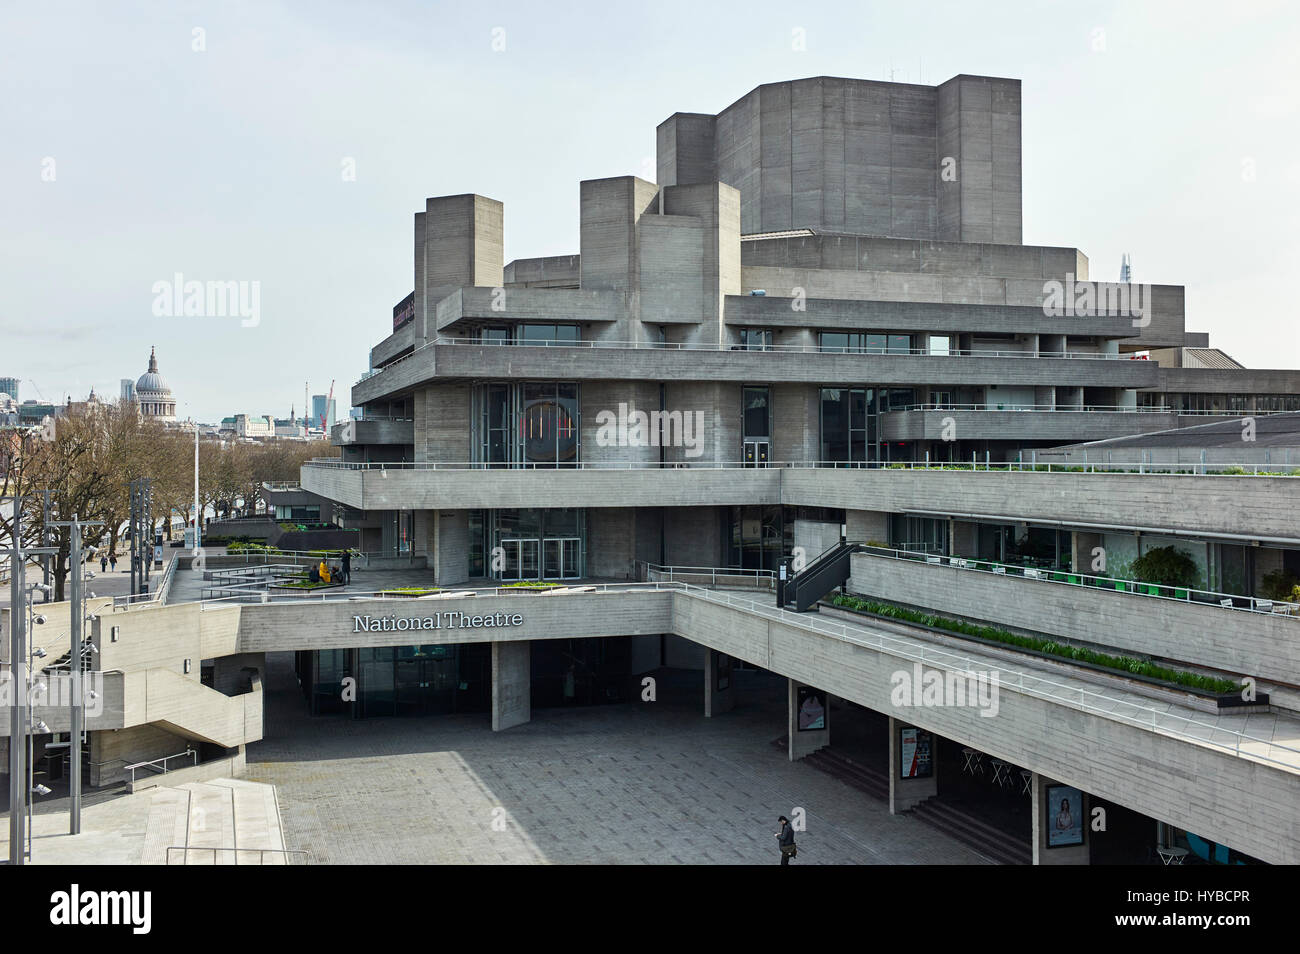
x=991 y=842
x=225 y=821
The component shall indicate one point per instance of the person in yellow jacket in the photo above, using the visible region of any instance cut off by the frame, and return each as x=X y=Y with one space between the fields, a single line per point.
x=324 y=572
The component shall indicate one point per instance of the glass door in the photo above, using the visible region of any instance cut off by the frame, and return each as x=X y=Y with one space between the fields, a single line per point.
x=561 y=558
x=521 y=559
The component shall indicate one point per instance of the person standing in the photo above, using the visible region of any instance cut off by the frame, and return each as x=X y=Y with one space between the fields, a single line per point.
x=347 y=566
x=785 y=839
x=103 y=564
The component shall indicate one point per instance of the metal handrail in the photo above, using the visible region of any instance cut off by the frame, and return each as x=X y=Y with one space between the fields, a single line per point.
x=153 y=763
x=1058 y=408
x=732 y=346
x=289 y=853
x=761 y=577
x=1044 y=467
x=1214 y=598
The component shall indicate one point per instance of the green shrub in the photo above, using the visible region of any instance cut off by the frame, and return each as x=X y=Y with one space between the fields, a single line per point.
x=1138 y=667
x=1167 y=566
x=1279 y=585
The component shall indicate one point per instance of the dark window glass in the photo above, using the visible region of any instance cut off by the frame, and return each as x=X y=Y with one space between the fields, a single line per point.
x=900 y=344
x=755 y=408
x=834 y=341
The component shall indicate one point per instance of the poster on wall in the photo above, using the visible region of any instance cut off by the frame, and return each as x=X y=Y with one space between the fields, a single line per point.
x=915 y=748
x=1064 y=816
x=812 y=709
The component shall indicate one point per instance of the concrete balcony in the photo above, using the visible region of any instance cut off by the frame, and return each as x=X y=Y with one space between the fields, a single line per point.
x=599 y=361
x=465 y=486
x=359 y=433
x=1037 y=424
x=1235 y=507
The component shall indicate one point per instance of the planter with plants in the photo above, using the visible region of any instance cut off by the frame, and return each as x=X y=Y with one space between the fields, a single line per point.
x=410 y=591
x=1225 y=693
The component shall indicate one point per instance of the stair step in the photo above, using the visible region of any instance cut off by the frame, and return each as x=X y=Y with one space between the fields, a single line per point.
x=165 y=826
x=212 y=822
x=991 y=842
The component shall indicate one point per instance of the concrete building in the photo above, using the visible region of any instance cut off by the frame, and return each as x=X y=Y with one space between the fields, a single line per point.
x=814 y=356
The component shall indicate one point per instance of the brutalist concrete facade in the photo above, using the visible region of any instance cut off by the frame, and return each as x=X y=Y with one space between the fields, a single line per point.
x=818 y=237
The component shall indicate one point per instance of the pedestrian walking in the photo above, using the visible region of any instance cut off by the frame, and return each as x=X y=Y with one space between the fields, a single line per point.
x=112 y=561
x=103 y=564
x=347 y=566
x=785 y=839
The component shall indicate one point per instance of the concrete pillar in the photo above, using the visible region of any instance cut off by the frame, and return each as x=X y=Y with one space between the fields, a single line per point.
x=512 y=684
x=450 y=546
x=1045 y=823
x=1082 y=543
x=719 y=696
x=963 y=538
x=807 y=741
x=906 y=793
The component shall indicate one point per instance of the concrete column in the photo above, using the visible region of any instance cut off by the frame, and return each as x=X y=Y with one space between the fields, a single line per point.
x=808 y=741
x=905 y=793
x=1045 y=816
x=719 y=696
x=1082 y=543
x=450 y=546
x=963 y=538
x=512 y=684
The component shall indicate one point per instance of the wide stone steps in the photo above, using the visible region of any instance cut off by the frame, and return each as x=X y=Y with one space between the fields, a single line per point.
x=223 y=822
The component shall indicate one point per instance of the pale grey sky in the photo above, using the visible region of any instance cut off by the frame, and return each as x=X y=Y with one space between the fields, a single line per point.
x=1177 y=141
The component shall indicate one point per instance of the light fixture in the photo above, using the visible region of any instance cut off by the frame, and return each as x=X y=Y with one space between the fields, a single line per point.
x=91 y=618
x=39 y=653
x=92 y=695
x=90 y=574
x=40 y=790
x=40 y=727
x=38 y=619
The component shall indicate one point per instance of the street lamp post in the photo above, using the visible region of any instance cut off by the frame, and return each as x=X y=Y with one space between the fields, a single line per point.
x=18 y=555
x=78 y=702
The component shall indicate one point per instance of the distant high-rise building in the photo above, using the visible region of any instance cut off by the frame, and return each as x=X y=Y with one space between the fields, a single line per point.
x=318 y=408
x=1126 y=269
x=128 y=389
x=9 y=386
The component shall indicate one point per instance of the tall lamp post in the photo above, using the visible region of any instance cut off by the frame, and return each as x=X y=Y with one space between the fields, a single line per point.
x=76 y=664
x=18 y=556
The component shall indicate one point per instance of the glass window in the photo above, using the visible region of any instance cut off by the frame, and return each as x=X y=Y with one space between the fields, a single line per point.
x=940 y=344
x=756 y=339
x=834 y=341
x=835 y=423
x=754 y=404
x=494 y=336
x=873 y=343
x=548 y=334
x=900 y=344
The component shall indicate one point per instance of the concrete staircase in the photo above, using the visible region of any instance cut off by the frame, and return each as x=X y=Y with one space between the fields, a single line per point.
x=991 y=842
x=225 y=821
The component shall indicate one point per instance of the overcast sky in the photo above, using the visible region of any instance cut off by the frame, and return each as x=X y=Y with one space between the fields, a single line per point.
x=1168 y=131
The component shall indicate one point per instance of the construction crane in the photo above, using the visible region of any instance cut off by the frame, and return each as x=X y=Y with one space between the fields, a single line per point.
x=326 y=409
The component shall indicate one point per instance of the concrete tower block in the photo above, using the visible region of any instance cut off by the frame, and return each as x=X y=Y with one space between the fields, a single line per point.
x=609 y=212
x=459 y=241
x=685 y=149
x=979 y=140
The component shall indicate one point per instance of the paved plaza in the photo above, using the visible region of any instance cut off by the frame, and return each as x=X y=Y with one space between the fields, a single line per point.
x=636 y=783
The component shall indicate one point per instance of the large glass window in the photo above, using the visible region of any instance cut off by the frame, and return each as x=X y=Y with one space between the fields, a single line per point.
x=533 y=423
x=848 y=425
x=548 y=334
x=756 y=339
